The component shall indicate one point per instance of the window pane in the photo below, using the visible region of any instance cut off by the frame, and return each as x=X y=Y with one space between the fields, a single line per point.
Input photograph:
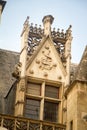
x=51 y=91
x=50 y=111
x=32 y=108
x=33 y=89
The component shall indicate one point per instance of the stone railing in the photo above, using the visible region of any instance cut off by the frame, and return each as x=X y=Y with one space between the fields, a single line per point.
x=21 y=123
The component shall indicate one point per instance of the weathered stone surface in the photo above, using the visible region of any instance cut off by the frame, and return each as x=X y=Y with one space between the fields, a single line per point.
x=50 y=67
x=72 y=108
x=3 y=128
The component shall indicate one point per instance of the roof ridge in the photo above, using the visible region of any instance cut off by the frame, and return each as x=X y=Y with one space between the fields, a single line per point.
x=4 y=50
x=81 y=73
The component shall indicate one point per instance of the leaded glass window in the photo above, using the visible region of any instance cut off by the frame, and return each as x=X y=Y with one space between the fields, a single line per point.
x=51 y=91
x=34 y=89
x=32 y=108
x=50 y=111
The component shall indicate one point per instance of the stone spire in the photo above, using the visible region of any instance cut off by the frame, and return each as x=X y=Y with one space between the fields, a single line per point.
x=24 y=45
x=47 y=21
x=68 y=53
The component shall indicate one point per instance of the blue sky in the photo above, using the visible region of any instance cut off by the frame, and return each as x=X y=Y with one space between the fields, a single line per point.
x=65 y=13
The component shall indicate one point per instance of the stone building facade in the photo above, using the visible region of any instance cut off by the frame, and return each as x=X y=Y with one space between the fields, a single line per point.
x=45 y=86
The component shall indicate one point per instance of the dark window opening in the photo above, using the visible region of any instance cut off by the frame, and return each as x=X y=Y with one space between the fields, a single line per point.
x=34 y=89
x=50 y=111
x=51 y=91
x=32 y=109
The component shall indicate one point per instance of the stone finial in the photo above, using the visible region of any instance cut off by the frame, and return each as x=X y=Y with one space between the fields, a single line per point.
x=68 y=32
x=27 y=20
x=25 y=25
x=47 y=21
x=48 y=18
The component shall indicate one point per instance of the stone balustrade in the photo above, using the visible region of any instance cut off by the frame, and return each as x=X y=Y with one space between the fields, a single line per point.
x=20 y=123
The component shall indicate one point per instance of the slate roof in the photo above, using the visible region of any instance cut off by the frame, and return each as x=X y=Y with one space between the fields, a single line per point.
x=8 y=59
x=73 y=71
x=81 y=73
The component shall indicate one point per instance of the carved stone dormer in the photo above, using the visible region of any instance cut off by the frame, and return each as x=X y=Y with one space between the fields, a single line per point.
x=47 y=21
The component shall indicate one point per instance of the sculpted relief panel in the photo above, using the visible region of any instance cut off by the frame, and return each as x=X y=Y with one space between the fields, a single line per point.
x=46 y=61
x=46 y=64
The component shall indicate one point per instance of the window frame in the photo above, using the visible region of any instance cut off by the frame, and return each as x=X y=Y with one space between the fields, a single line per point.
x=32 y=105
x=51 y=86
x=31 y=83
x=50 y=112
x=42 y=98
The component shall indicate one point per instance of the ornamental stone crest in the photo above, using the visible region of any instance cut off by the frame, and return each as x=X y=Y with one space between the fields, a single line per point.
x=46 y=61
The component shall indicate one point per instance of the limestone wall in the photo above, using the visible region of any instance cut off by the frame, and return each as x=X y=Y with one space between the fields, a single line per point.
x=72 y=108
x=3 y=128
x=77 y=107
x=81 y=106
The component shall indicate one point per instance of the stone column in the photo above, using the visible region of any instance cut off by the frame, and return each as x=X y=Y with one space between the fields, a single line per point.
x=20 y=96
x=24 y=45
x=68 y=54
x=42 y=101
x=21 y=86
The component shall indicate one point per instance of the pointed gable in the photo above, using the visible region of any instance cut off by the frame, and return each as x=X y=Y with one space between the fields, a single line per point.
x=82 y=68
x=46 y=63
